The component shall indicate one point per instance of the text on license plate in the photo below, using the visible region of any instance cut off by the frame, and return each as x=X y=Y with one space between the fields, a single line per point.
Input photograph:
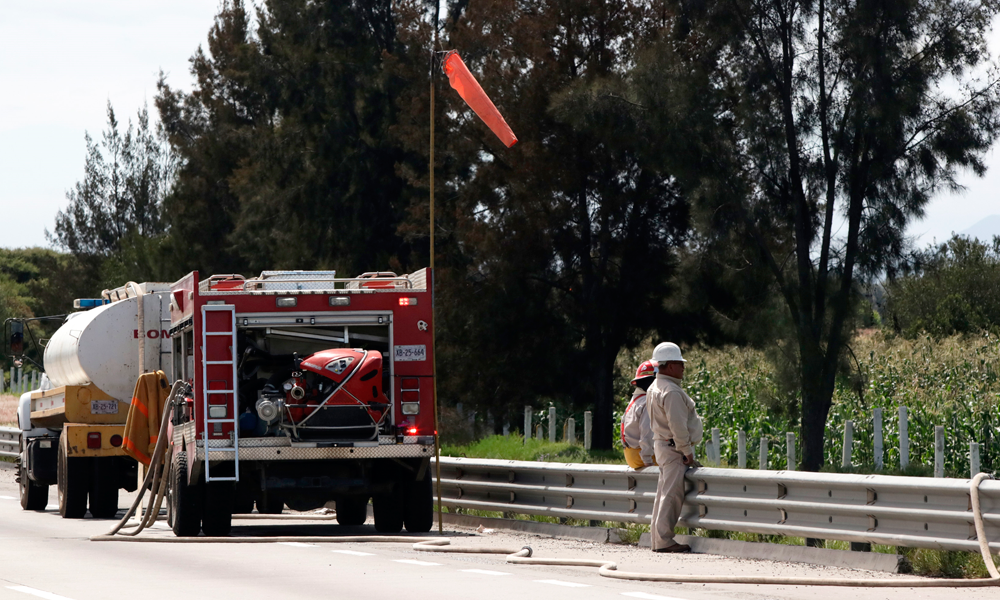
x=104 y=407
x=410 y=353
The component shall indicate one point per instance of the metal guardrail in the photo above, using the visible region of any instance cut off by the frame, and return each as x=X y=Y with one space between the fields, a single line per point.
x=10 y=442
x=900 y=511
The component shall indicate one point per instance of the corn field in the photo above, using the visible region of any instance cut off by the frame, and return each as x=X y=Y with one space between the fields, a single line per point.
x=953 y=382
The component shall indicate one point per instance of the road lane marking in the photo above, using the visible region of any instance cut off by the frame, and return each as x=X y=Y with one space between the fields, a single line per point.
x=419 y=563
x=484 y=572
x=352 y=552
x=646 y=596
x=32 y=591
x=297 y=544
x=562 y=583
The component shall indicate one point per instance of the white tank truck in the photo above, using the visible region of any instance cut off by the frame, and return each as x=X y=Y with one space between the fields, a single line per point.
x=72 y=428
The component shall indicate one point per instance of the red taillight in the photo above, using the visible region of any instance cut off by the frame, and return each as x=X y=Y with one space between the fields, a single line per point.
x=94 y=440
x=116 y=440
x=411 y=431
x=411 y=396
x=407 y=301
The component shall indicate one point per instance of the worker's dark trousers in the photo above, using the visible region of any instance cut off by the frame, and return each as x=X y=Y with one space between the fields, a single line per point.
x=669 y=494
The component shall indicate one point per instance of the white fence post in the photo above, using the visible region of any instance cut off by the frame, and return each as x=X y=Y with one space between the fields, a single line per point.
x=790 y=450
x=588 y=428
x=552 y=424
x=974 y=459
x=848 y=444
x=877 y=427
x=741 y=449
x=763 y=454
x=527 y=423
x=12 y=390
x=904 y=439
x=34 y=380
x=571 y=430
x=20 y=381
x=538 y=432
x=716 y=456
x=938 y=451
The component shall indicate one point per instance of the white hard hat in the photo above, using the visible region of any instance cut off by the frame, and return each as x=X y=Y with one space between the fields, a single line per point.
x=667 y=352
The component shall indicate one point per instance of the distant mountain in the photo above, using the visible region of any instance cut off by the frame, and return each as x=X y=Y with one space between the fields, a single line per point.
x=985 y=229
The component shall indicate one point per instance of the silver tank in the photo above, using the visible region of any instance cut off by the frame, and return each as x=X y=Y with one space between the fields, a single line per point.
x=101 y=345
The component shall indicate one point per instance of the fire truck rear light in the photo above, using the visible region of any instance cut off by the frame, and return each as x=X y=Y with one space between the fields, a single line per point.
x=217 y=412
x=411 y=396
x=407 y=301
x=340 y=300
x=287 y=302
x=94 y=440
x=411 y=408
x=411 y=431
x=116 y=440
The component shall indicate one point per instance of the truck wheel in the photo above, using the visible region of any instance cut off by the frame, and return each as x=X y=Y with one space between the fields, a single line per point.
x=388 y=509
x=352 y=510
x=104 y=489
x=270 y=503
x=217 y=513
x=33 y=495
x=185 y=500
x=73 y=481
x=418 y=512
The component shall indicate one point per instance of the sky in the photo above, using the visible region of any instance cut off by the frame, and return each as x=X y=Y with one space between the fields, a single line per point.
x=62 y=61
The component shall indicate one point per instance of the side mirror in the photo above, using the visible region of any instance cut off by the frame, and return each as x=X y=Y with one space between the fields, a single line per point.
x=16 y=338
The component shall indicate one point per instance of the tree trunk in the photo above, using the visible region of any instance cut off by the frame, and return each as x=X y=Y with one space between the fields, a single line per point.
x=817 y=397
x=603 y=377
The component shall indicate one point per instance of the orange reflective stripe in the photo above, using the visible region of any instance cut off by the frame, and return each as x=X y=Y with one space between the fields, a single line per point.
x=153 y=438
x=139 y=454
x=139 y=404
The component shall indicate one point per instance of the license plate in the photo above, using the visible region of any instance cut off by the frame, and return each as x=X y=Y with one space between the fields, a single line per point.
x=104 y=407
x=410 y=353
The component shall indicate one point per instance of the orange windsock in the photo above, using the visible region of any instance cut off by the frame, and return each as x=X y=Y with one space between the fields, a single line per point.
x=469 y=89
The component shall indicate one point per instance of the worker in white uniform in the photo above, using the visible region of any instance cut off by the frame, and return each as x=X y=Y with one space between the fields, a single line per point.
x=637 y=437
x=676 y=428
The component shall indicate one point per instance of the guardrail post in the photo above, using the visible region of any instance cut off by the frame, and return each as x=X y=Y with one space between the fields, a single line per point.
x=904 y=439
x=877 y=428
x=790 y=450
x=588 y=427
x=848 y=444
x=763 y=454
x=527 y=423
x=552 y=424
x=571 y=430
x=716 y=447
x=741 y=449
x=938 y=451
x=973 y=459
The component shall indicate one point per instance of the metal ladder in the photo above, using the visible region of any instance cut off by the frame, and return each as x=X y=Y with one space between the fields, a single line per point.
x=206 y=362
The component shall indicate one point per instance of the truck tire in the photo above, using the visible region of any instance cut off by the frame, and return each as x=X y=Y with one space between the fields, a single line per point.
x=352 y=510
x=185 y=500
x=388 y=509
x=73 y=482
x=33 y=496
x=217 y=511
x=270 y=503
x=104 y=489
x=418 y=511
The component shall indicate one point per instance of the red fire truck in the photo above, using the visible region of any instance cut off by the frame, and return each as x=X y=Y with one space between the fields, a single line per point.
x=302 y=389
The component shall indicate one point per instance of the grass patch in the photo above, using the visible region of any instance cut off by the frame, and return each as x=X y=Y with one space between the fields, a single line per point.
x=512 y=447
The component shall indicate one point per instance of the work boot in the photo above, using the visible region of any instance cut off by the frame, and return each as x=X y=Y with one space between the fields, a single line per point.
x=674 y=548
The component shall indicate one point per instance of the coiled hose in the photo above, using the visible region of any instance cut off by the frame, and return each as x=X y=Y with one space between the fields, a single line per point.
x=521 y=556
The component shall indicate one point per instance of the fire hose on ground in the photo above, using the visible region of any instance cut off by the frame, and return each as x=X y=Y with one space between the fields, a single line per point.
x=158 y=475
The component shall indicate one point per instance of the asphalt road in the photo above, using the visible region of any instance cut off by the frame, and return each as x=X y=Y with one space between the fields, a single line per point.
x=44 y=556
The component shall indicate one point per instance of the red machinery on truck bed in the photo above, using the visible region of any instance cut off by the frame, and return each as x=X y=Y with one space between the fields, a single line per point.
x=303 y=389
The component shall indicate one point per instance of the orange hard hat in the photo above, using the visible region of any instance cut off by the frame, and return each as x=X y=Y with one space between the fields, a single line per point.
x=646 y=369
